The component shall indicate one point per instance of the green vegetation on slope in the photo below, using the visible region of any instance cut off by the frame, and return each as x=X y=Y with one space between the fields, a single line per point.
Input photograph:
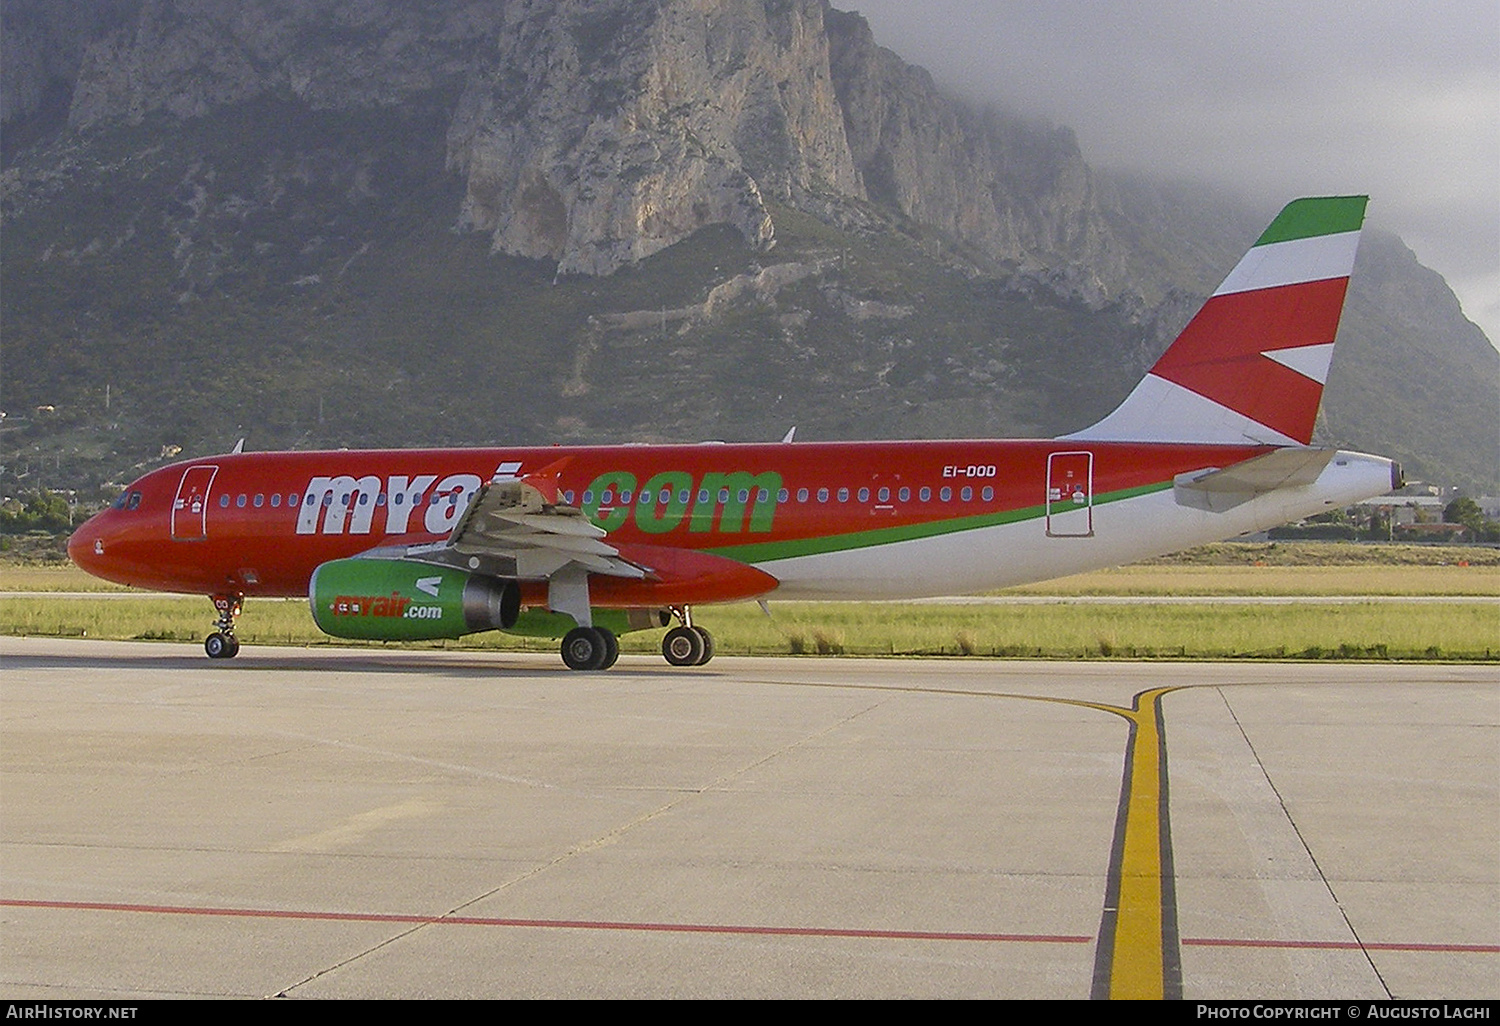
x=301 y=286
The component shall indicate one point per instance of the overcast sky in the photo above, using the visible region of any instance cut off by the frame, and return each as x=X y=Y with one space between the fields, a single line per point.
x=1277 y=98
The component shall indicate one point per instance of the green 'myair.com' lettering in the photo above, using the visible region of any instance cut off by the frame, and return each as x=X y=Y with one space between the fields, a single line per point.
x=735 y=492
x=615 y=514
x=667 y=504
x=662 y=504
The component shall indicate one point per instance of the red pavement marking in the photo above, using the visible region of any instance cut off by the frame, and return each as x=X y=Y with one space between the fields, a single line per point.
x=775 y=931
x=556 y=924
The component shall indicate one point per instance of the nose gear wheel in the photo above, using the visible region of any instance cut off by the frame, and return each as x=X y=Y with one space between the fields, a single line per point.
x=222 y=644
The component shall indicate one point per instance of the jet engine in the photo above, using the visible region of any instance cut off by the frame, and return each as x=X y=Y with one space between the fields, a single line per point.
x=399 y=600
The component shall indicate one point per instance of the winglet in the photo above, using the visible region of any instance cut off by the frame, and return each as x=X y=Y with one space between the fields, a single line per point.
x=1251 y=365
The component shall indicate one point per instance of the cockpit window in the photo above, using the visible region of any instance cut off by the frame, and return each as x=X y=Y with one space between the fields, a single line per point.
x=126 y=500
x=119 y=502
x=134 y=501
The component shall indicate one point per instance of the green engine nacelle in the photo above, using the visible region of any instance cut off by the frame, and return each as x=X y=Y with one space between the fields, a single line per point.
x=397 y=600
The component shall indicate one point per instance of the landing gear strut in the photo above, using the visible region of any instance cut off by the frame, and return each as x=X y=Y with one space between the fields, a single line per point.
x=687 y=645
x=222 y=644
x=590 y=648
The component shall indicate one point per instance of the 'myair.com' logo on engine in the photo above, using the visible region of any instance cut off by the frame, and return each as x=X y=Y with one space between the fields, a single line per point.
x=729 y=503
x=392 y=605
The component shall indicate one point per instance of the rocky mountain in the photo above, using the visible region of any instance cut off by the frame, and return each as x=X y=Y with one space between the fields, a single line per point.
x=365 y=221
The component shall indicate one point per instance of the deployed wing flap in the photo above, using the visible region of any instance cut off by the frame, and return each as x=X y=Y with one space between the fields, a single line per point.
x=1216 y=490
x=551 y=523
x=510 y=529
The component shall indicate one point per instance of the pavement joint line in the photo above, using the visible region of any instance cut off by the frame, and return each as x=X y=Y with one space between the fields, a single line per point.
x=1297 y=829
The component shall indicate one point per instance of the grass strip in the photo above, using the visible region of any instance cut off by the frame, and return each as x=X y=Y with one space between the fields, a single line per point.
x=1359 y=630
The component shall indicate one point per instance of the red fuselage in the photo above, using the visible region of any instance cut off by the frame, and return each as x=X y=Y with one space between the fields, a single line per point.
x=261 y=523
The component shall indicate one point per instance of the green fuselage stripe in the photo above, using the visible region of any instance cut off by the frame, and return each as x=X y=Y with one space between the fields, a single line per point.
x=766 y=552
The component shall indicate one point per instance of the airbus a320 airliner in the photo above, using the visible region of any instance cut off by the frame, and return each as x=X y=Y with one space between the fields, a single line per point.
x=587 y=542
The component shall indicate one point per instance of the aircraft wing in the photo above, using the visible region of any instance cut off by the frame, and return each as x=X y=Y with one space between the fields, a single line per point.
x=1217 y=490
x=511 y=529
x=517 y=528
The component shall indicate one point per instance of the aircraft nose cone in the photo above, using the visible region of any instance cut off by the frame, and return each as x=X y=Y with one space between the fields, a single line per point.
x=86 y=545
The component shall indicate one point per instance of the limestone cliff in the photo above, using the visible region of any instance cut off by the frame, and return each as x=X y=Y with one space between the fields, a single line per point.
x=604 y=132
x=1015 y=190
x=593 y=133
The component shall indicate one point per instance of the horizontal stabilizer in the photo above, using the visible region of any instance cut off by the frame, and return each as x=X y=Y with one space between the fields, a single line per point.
x=1218 y=490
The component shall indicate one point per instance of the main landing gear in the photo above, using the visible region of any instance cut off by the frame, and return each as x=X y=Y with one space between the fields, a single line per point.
x=590 y=648
x=222 y=644
x=687 y=645
x=597 y=648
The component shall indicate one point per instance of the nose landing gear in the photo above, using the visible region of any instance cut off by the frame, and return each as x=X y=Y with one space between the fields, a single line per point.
x=222 y=644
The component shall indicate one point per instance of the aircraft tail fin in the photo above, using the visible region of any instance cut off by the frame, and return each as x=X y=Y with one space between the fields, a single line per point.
x=1251 y=365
